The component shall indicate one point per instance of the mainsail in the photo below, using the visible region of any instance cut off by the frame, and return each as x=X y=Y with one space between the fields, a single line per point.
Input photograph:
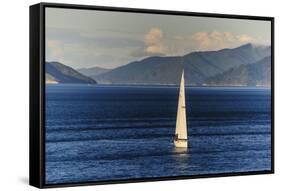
x=181 y=127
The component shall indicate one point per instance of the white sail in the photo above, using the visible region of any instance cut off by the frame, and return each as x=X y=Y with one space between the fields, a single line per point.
x=181 y=128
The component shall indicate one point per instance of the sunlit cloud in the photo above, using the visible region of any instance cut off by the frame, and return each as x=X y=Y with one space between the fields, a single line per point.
x=154 y=42
x=245 y=38
x=218 y=40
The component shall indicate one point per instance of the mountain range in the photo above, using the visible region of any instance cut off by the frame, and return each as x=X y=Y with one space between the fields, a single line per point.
x=245 y=65
x=198 y=66
x=60 y=73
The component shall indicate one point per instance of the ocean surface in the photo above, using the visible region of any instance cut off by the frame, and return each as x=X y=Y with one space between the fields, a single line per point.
x=96 y=132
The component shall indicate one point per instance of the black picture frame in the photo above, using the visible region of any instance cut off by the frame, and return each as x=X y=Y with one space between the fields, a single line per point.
x=37 y=92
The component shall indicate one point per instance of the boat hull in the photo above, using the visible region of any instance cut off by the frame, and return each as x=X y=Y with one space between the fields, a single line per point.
x=181 y=143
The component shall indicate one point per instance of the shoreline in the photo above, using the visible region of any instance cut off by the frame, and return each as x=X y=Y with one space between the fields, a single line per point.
x=164 y=85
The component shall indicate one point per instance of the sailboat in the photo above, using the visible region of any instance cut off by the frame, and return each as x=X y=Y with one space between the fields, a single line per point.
x=180 y=138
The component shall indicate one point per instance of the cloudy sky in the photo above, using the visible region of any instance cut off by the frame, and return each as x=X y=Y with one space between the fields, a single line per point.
x=87 y=38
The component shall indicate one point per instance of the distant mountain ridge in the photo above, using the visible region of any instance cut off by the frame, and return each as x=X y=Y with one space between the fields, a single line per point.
x=198 y=66
x=60 y=73
x=93 y=71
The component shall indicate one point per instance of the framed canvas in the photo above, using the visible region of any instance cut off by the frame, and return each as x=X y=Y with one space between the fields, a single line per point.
x=130 y=95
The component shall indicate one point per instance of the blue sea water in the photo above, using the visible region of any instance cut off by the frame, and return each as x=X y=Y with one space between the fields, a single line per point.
x=104 y=132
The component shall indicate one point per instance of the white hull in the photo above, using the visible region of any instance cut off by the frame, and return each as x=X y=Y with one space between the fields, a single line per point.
x=181 y=143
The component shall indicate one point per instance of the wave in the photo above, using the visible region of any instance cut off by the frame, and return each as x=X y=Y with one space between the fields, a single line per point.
x=134 y=156
x=128 y=124
x=150 y=136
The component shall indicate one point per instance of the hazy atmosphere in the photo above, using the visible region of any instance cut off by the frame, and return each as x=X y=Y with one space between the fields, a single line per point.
x=86 y=38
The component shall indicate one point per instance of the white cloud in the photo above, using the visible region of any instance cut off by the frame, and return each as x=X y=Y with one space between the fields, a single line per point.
x=218 y=40
x=245 y=38
x=154 y=42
